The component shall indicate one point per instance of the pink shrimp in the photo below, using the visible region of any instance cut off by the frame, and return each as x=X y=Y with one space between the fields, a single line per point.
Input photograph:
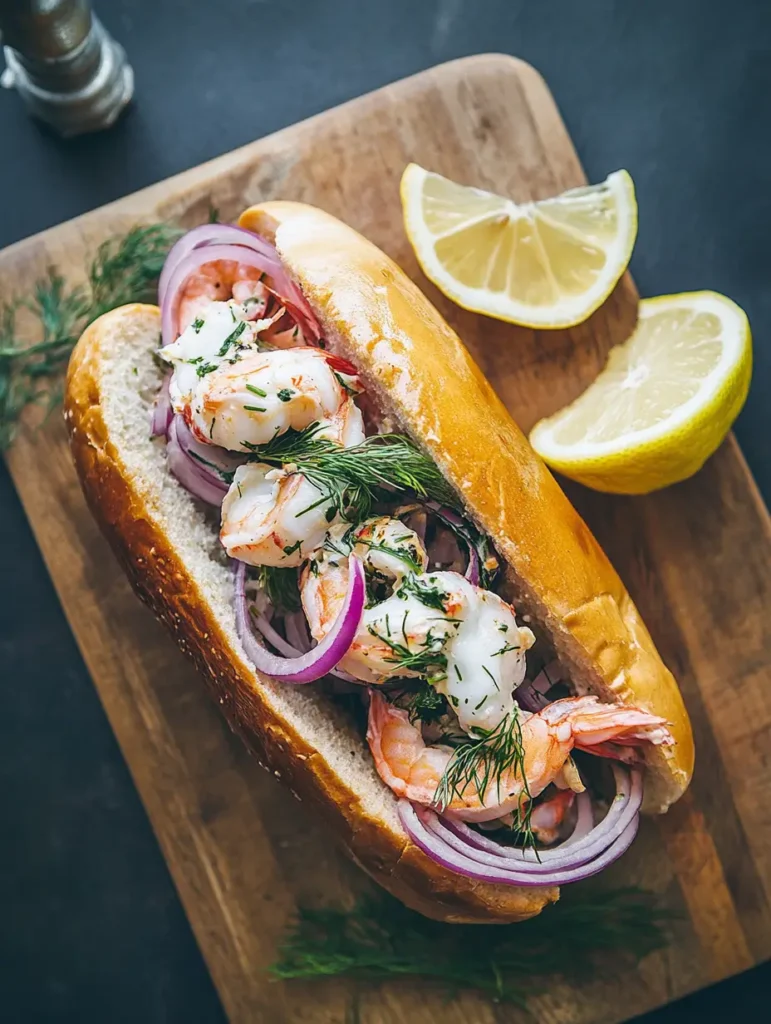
x=547 y=817
x=217 y=282
x=414 y=770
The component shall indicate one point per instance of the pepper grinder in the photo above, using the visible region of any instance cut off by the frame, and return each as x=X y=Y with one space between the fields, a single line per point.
x=68 y=70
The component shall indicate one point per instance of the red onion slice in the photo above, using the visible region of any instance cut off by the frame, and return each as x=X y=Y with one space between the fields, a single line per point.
x=193 y=476
x=210 y=457
x=197 y=466
x=297 y=632
x=532 y=695
x=577 y=849
x=209 y=234
x=560 y=857
x=323 y=658
x=584 y=819
x=419 y=825
x=162 y=410
x=258 y=253
x=460 y=527
x=275 y=639
x=189 y=264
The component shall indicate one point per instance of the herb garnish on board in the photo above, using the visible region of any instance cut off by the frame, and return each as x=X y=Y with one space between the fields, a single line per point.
x=125 y=269
x=380 y=939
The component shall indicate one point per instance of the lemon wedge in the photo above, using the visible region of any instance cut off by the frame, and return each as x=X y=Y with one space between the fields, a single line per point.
x=542 y=264
x=663 y=403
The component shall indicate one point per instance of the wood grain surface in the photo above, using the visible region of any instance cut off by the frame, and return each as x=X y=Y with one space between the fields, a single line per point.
x=696 y=559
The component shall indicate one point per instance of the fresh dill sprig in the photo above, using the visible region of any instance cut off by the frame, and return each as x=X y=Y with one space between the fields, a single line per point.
x=281 y=587
x=425 y=704
x=481 y=761
x=125 y=269
x=352 y=479
x=380 y=939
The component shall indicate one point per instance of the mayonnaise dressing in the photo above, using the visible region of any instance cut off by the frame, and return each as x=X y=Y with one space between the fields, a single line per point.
x=485 y=655
x=200 y=344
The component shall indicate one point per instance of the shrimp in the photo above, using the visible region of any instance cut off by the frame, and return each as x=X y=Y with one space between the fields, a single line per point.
x=547 y=817
x=433 y=624
x=260 y=395
x=216 y=282
x=273 y=516
x=414 y=770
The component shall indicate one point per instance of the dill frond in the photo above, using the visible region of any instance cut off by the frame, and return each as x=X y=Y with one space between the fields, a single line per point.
x=481 y=761
x=380 y=939
x=124 y=270
x=425 y=704
x=281 y=587
x=352 y=479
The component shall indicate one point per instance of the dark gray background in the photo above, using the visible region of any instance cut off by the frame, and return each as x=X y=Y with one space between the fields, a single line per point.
x=677 y=92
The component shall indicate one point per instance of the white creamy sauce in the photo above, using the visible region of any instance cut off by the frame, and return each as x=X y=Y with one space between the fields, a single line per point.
x=199 y=345
x=485 y=659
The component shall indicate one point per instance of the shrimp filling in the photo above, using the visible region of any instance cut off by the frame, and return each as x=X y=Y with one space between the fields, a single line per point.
x=442 y=654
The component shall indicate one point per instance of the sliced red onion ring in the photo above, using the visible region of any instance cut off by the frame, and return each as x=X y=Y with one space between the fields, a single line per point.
x=162 y=410
x=584 y=819
x=560 y=857
x=209 y=234
x=323 y=658
x=195 y=260
x=418 y=823
x=532 y=695
x=194 y=477
x=275 y=639
x=297 y=632
x=460 y=527
x=257 y=253
x=210 y=457
x=459 y=848
x=626 y=804
x=297 y=642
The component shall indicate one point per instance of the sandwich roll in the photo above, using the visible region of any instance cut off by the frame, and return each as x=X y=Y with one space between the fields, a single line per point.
x=329 y=342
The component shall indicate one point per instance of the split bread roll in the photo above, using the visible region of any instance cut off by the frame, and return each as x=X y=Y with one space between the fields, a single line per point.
x=422 y=378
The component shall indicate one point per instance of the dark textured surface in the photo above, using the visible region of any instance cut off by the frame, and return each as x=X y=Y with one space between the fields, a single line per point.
x=92 y=929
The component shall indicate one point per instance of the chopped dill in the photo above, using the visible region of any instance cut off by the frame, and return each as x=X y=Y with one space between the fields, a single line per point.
x=428 y=661
x=232 y=338
x=430 y=596
x=425 y=704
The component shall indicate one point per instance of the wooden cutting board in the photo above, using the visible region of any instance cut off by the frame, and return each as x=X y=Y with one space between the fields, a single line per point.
x=696 y=558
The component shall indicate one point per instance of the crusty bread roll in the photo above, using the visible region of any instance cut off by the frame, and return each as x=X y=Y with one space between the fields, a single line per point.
x=424 y=380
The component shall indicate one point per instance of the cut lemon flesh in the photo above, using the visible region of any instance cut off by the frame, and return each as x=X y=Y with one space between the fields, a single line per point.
x=540 y=264
x=665 y=400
